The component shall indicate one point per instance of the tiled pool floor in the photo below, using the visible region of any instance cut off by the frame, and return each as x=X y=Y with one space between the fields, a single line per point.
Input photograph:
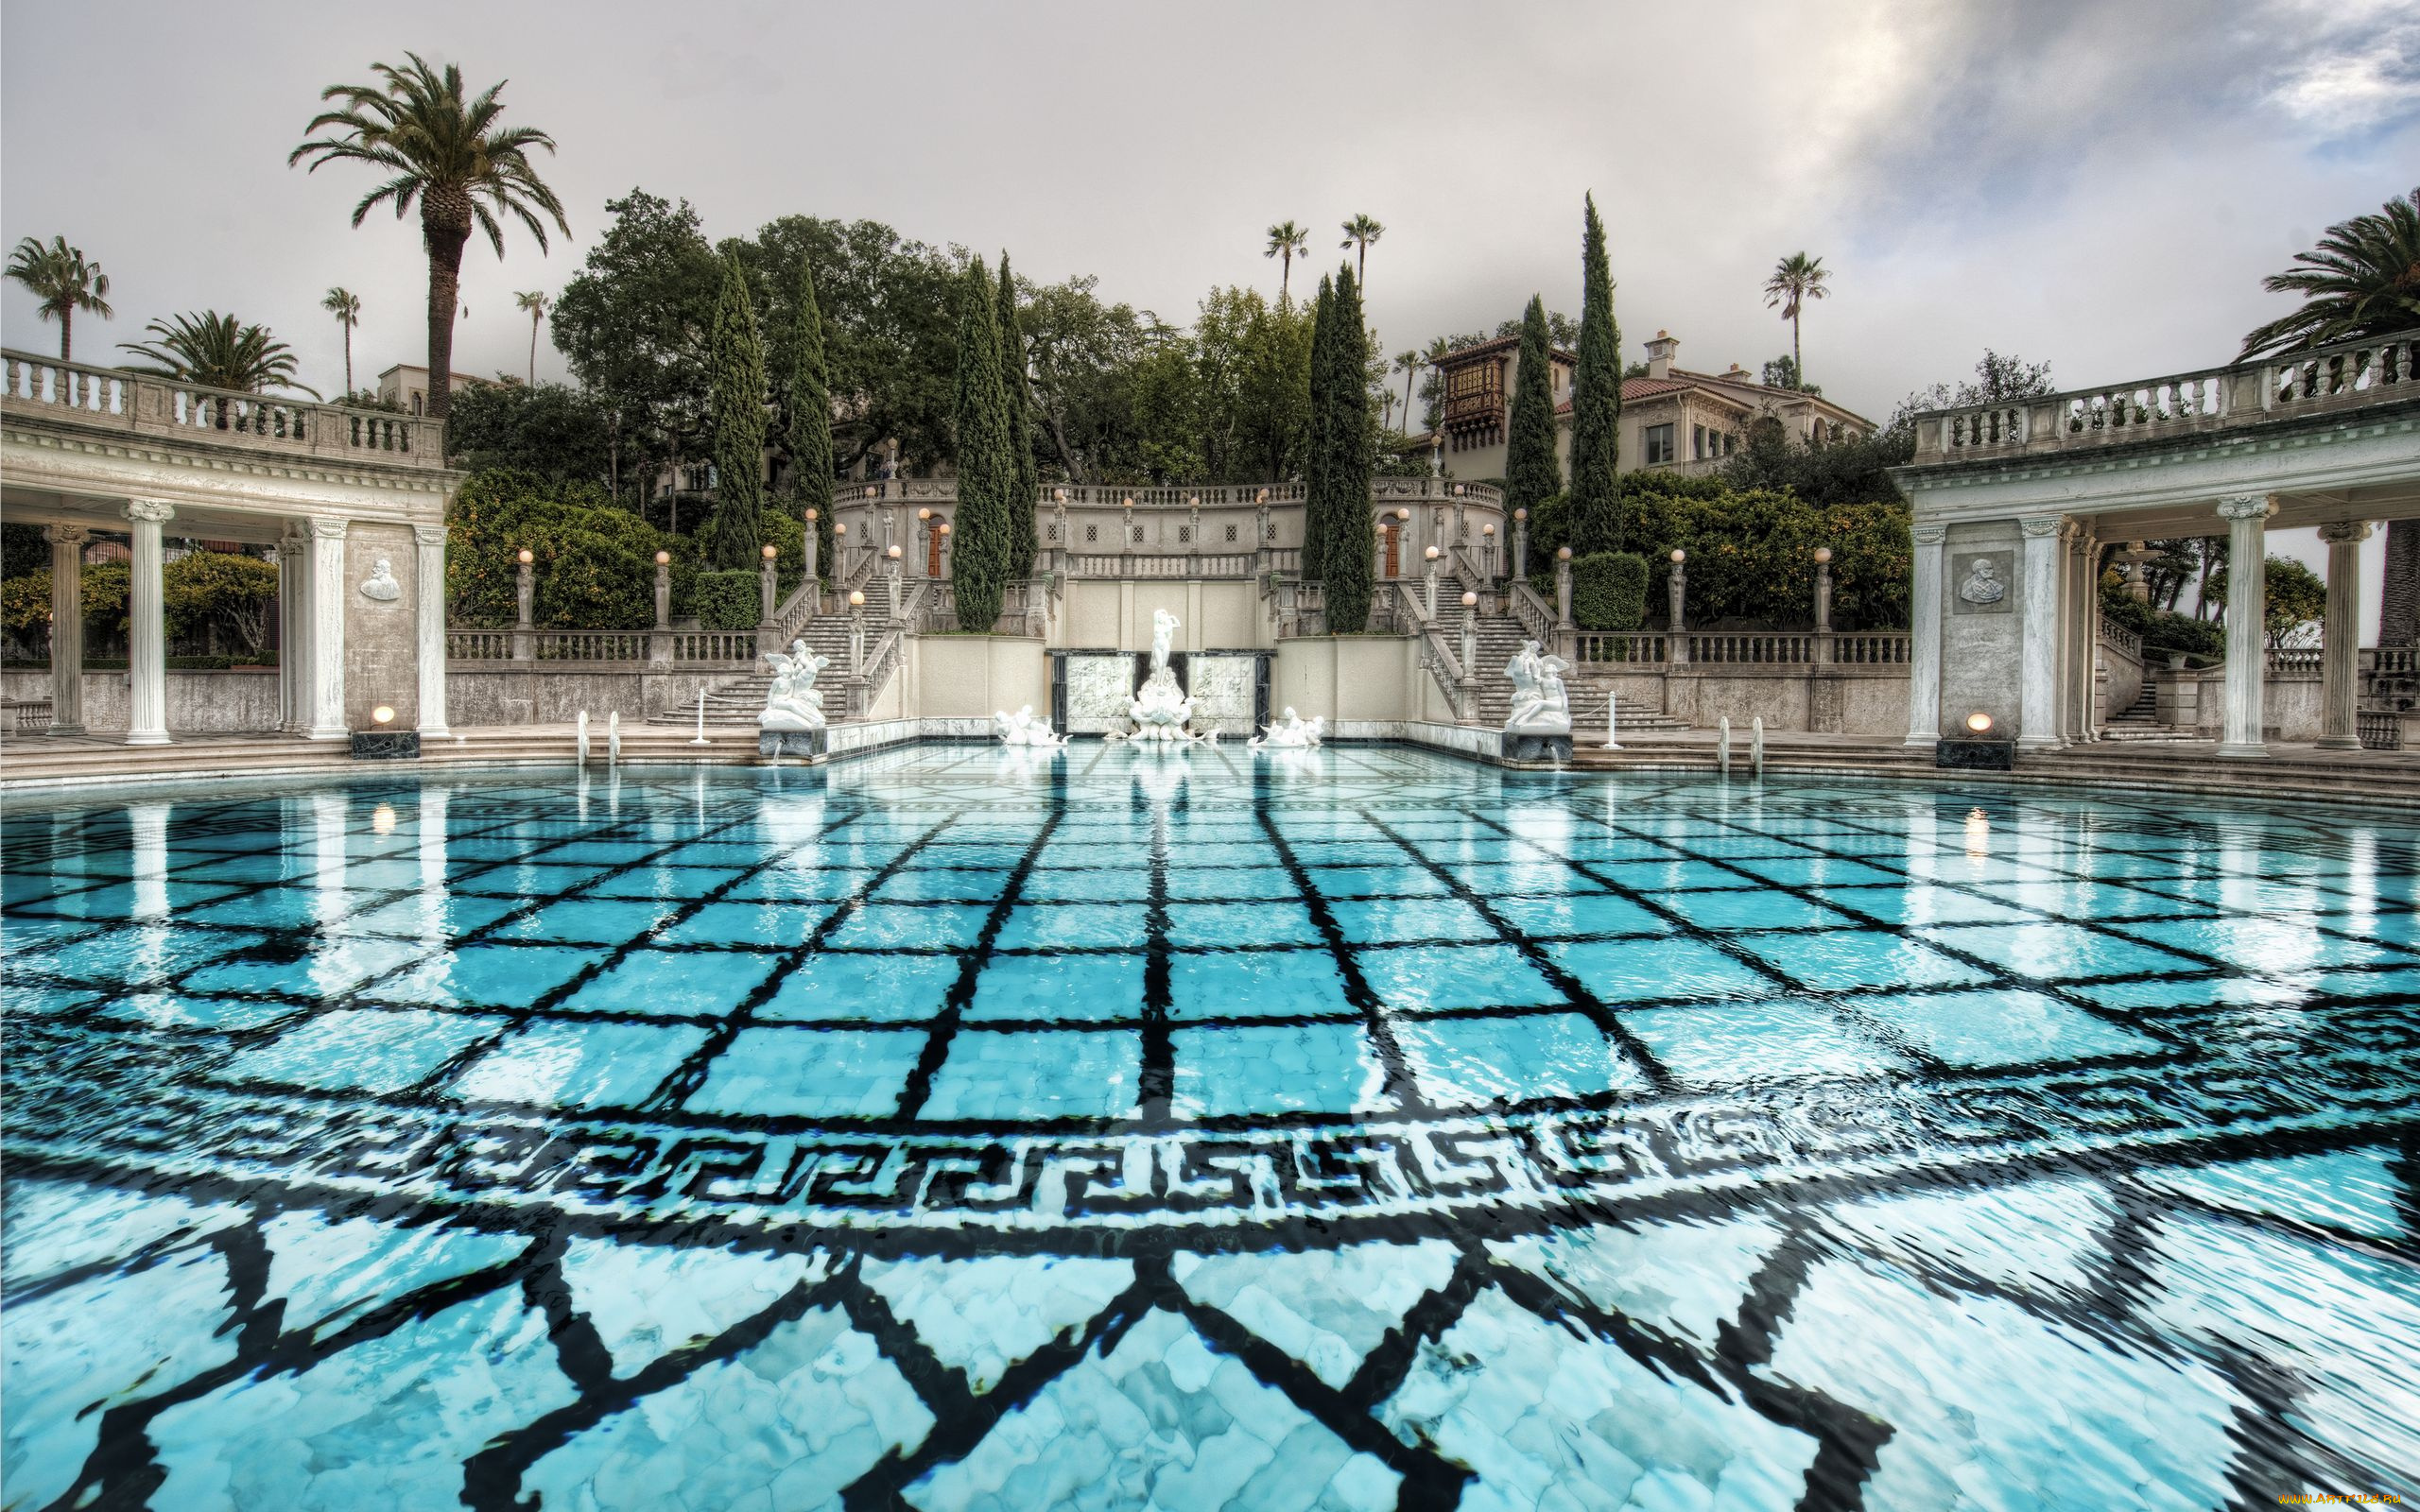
x=1363 y=1128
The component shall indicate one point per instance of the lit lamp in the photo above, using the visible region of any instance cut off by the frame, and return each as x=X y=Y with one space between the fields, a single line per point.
x=664 y=558
x=1978 y=747
x=663 y=590
x=771 y=551
x=1564 y=553
x=1980 y=722
x=383 y=714
x=1823 y=593
x=1403 y=514
x=380 y=743
x=857 y=598
x=1563 y=588
x=812 y=517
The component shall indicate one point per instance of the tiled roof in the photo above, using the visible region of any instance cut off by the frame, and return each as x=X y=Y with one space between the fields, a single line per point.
x=1501 y=344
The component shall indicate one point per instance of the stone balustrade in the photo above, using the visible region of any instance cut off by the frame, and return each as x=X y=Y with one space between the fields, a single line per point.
x=1770 y=648
x=2349 y=375
x=114 y=401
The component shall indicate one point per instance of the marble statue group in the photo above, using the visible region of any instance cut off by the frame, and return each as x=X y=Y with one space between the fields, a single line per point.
x=793 y=703
x=1541 y=702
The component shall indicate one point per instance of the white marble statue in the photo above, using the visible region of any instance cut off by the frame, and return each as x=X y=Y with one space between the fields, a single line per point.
x=1161 y=710
x=1025 y=728
x=1541 y=703
x=793 y=702
x=1290 y=733
x=1982 y=584
x=381 y=584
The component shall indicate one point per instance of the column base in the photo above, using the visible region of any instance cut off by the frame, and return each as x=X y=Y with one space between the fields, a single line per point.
x=2339 y=743
x=65 y=729
x=327 y=732
x=1918 y=742
x=2036 y=742
x=434 y=732
x=146 y=738
x=2250 y=749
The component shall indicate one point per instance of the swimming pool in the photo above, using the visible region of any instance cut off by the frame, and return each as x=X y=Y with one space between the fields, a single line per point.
x=955 y=1127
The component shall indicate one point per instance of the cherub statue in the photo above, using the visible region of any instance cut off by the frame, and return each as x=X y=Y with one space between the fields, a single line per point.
x=1290 y=733
x=1025 y=728
x=793 y=702
x=1541 y=703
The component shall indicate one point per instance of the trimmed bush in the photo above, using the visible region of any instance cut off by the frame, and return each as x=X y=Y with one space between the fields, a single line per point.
x=498 y=514
x=1609 y=591
x=727 y=601
x=591 y=582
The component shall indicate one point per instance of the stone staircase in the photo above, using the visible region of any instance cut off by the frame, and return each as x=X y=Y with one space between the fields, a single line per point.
x=1500 y=640
x=2140 y=720
x=740 y=698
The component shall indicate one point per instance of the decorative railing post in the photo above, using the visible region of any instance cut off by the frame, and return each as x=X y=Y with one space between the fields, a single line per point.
x=1521 y=544
x=1823 y=605
x=768 y=592
x=814 y=548
x=525 y=602
x=1429 y=585
x=856 y=633
x=1469 y=700
x=1487 y=551
x=1676 y=640
x=1261 y=563
x=1193 y=530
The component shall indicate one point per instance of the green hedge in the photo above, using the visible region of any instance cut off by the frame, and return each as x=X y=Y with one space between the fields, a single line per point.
x=727 y=601
x=1609 y=591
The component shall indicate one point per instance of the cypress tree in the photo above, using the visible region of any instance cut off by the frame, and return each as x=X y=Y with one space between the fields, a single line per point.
x=986 y=471
x=809 y=438
x=737 y=358
x=1315 y=447
x=1531 y=473
x=1352 y=555
x=1027 y=481
x=1596 y=403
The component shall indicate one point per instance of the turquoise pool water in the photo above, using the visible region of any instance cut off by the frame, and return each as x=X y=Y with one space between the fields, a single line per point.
x=1354 y=1128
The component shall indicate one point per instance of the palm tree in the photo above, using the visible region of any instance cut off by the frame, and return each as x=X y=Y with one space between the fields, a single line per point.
x=534 y=304
x=59 y=276
x=1359 y=232
x=448 y=152
x=1286 y=239
x=346 y=306
x=1797 y=278
x=1407 y=362
x=217 y=351
x=2362 y=279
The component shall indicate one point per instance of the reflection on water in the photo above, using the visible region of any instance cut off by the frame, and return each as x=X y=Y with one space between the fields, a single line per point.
x=1351 y=1127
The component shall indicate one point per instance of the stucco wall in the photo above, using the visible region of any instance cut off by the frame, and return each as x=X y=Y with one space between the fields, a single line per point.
x=1101 y=613
x=236 y=701
x=1981 y=647
x=973 y=677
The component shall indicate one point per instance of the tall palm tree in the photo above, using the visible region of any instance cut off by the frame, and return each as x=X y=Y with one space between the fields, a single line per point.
x=60 y=277
x=1286 y=240
x=1407 y=362
x=533 y=305
x=448 y=152
x=2362 y=279
x=1359 y=232
x=217 y=351
x=1432 y=357
x=346 y=306
x=1796 y=278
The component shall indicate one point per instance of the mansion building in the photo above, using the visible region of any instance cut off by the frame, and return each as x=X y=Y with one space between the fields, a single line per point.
x=1671 y=418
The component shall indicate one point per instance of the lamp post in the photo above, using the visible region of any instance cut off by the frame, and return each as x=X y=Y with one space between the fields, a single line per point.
x=525 y=591
x=1487 y=550
x=840 y=549
x=1260 y=529
x=894 y=554
x=1461 y=515
x=1521 y=544
x=1126 y=532
x=1193 y=524
x=663 y=590
x=1058 y=555
x=856 y=633
x=1470 y=651
x=923 y=542
x=767 y=586
x=1676 y=640
x=1561 y=590
x=814 y=547
x=1403 y=536
x=1428 y=581
x=942 y=530
x=1823 y=603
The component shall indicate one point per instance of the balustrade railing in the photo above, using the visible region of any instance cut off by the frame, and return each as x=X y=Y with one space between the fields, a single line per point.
x=2118 y=637
x=1751 y=649
x=1871 y=649
x=2393 y=660
x=1646 y=647
x=479 y=645
x=1535 y=614
x=2302 y=661
x=110 y=399
x=1164 y=564
x=2346 y=375
x=2378 y=729
x=1023 y=609
x=1285 y=558
x=714 y=646
x=1170 y=496
x=1300 y=608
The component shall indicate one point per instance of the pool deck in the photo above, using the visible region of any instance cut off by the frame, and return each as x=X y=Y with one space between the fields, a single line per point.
x=35 y=761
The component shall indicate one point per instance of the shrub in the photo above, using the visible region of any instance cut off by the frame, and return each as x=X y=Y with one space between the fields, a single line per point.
x=2183 y=632
x=726 y=601
x=221 y=597
x=606 y=554
x=1609 y=591
x=593 y=583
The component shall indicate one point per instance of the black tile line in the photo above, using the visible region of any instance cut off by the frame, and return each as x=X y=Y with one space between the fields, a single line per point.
x=1157 y=1081
x=492 y=1476
x=1890 y=1037
x=1384 y=1370
x=1397 y=1083
x=940 y=1030
x=685 y=1080
x=521 y=1016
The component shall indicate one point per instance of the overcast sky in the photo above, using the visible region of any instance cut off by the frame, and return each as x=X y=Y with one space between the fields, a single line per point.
x=2100 y=186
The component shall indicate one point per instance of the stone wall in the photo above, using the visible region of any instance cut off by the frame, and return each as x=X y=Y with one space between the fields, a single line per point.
x=973 y=677
x=1981 y=644
x=523 y=694
x=381 y=658
x=240 y=700
x=1115 y=614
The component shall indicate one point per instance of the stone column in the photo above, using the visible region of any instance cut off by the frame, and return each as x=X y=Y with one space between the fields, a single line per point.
x=147 y=648
x=2078 y=609
x=294 y=649
x=2247 y=518
x=1521 y=544
x=1563 y=588
x=2088 y=626
x=327 y=631
x=430 y=584
x=67 y=627
x=525 y=599
x=2038 y=663
x=814 y=550
x=1924 y=637
x=2339 y=653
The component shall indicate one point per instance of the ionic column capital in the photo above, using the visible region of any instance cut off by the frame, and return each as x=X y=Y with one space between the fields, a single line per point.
x=429 y=535
x=2344 y=532
x=67 y=535
x=290 y=547
x=2040 y=525
x=1929 y=534
x=2247 y=506
x=327 y=529
x=150 y=511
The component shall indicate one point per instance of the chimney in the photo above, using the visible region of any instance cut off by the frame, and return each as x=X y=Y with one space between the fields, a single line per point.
x=1659 y=354
x=1740 y=375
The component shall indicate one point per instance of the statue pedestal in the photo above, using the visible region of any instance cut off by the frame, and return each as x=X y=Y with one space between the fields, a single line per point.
x=1537 y=743
x=807 y=743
